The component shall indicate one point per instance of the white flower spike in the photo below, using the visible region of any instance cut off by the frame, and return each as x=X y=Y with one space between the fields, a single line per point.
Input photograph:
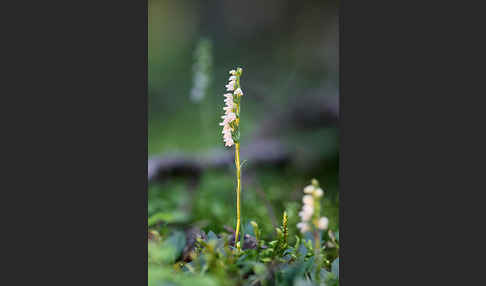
x=311 y=219
x=231 y=107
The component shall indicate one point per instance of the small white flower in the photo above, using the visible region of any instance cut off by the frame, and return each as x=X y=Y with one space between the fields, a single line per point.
x=233 y=77
x=228 y=118
x=308 y=208
x=308 y=200
x=238 y=91
x=230 y=86
x=304 y=227
x=233 y=72
x=318 y=193
x=307 y=212
x=309 y=189
x=306 y=216
x=228 y=139
x=226 y=129
x=228 y=142
x=229 y=101
x=323 y=223
x=227 y=134
x=228 y=110
x=231 y=117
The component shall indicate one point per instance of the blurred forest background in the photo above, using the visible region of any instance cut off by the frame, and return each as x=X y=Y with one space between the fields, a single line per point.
x=289 y=130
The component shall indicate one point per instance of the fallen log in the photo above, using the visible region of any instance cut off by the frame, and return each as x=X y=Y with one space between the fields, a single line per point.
x=257 y=154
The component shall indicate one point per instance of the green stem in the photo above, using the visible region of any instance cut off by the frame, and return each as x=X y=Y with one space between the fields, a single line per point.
x=238 y=170
x=238 y=191
x=317 y=255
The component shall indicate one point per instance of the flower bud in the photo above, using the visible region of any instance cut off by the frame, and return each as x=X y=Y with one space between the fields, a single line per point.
x=318 y=192
x=323 y=223
x=309 y=189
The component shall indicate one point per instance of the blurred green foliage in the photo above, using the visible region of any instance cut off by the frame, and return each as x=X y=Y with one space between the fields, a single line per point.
x=268 y=262
x=214 y=203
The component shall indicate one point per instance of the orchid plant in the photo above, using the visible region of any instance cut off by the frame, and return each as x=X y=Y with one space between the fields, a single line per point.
x=231 y=133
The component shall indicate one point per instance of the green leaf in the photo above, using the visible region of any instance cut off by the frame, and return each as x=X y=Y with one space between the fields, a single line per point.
x=212 y=236
x=335 y=267
x=166 y=217
x=168 y=251
x=177 y=241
